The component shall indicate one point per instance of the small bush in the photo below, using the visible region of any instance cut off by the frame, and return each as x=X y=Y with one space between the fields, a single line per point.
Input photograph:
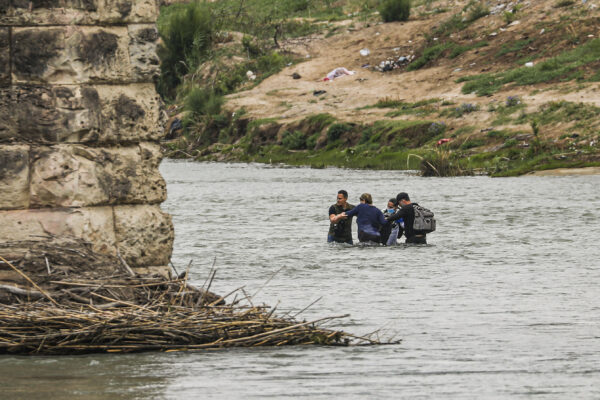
x=271 y=63
x=395 y=10
x=336 y=131
x=451 y=25
x=510 y=16
x=459 y=49
x=311 y=141
x=187 y=33
x=465 y=108
x=317 y=122
x=388 y=102
x=436 y=128
x=564 y=3
x=477 y=11
x=429 y=54
x=469 y=144
x=512 y=101
x=496 y=134
x=201 y=101
x=293 y=141
x=440 y=163
x=366 y=135
x=251 y=46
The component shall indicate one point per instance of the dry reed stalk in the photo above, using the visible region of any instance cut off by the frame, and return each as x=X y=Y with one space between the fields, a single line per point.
x=90 y=304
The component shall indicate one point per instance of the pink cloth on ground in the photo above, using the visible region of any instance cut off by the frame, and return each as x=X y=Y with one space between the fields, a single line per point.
x=336 y=73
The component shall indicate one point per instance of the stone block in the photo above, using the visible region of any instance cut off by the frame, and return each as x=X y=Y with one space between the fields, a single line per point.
x=77 y=12
x=83 y=54
x=132 y=113
x=94 y=224
x=101 y=114
x=4 y=57
x=14 y=177
x=80 y=176
x=143 y=39
x=144 y=235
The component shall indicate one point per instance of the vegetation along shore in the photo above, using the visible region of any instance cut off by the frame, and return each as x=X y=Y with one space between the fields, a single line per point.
x=446 y=87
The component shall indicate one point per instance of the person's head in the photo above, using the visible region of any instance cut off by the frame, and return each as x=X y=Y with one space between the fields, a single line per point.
x=402 y=198
x=366 y=198
x=392 y=203
x=342 y=196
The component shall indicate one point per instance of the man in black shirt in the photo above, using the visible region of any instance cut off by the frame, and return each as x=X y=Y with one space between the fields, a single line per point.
x=407 y=212
x=340 y=229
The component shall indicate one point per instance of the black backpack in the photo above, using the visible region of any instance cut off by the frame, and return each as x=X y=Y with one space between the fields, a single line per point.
x=424 y=220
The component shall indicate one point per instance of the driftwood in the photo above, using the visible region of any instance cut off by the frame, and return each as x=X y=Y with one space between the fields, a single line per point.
x=21 y=292
x=72 y=308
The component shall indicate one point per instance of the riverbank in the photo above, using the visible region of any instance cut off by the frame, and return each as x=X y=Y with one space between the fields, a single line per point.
x=321 y=140
x=567 y=171
x=494 y=91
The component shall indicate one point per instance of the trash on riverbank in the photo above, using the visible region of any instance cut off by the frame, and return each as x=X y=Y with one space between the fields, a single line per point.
x=337 y=73
x=393 y=63
x=67 y=299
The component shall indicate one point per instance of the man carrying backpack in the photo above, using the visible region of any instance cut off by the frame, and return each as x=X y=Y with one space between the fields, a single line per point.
x=418 y=221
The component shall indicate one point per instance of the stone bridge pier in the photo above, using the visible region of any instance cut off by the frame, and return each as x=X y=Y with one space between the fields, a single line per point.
x=80 y=122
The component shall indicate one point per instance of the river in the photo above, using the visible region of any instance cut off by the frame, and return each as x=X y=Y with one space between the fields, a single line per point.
x=502 y=303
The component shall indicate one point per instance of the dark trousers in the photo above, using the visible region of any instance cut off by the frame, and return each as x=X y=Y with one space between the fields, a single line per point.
x=367 y=237
x=417 y=239
x=331 y=238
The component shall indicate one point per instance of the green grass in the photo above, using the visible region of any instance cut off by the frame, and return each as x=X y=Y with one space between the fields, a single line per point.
x=513 y=47
x=586 y=117
x=504 y=113
x=429 y=54
x=451 y=25
x=464 y=130
x=458 y=49
x=355 y=158
x=397 y=145
x=421 y=108
x=262 y=121
x=318 y=122
x=499 y=134
x=564 y=3
x=563 y=67
x=437 y=51
x=541 y=163
x=471 y=143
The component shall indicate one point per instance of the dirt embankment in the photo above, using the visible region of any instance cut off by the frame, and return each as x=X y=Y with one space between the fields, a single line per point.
x=539 y=30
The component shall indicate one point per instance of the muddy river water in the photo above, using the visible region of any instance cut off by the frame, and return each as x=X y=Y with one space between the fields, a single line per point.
x=503 y=303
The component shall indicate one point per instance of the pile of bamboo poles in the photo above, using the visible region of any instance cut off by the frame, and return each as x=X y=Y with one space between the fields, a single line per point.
x=108 y=310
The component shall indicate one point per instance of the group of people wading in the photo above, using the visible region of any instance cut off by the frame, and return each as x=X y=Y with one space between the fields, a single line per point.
x=401 y=217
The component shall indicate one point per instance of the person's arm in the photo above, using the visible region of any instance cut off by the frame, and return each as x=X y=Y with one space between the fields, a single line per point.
x=332 y=216
x=401 y=213
x=351 y=213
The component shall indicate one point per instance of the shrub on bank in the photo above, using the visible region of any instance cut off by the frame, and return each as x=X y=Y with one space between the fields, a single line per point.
x=187 y=34
x=395 y=10
x=293 y=141
x=336 y=131
x=202 y=101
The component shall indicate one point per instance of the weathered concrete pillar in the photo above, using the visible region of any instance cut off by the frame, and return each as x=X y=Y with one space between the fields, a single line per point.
x=79 y=125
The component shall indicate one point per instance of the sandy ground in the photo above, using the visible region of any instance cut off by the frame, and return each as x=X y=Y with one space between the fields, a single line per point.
x=286 y=99
x=567 y=171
